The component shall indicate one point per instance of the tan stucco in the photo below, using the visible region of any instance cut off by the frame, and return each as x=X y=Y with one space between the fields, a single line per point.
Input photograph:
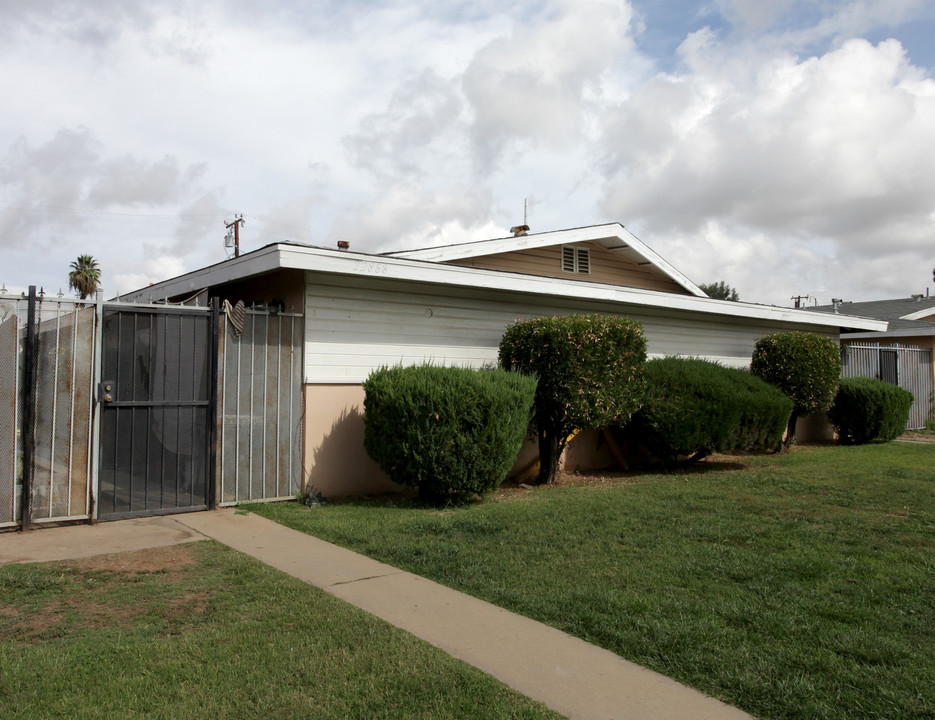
x=335 y=462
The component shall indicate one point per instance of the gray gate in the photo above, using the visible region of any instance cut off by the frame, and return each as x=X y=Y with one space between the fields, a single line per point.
x=260 y=408
x=908 y=367
x=46 y=380
x=110 y=409
x=157 y=396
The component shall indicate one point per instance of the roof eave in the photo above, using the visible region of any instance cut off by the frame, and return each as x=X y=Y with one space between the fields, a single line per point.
x=283 y=256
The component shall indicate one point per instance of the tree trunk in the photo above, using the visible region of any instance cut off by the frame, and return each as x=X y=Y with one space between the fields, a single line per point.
x=790 y=430
x=549 y=453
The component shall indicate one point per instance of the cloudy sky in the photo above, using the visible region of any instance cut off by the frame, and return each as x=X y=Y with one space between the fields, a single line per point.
x=786 y=147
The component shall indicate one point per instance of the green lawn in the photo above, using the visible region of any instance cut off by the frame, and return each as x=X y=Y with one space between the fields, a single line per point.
x=199 y=631
x=793 y=586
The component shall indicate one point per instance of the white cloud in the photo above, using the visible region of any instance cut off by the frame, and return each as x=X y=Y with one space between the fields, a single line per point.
x=825 y=148
x=778 y=153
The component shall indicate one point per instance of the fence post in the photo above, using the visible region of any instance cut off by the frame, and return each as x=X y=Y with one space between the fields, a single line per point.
x=30 y=360
x=213 y=402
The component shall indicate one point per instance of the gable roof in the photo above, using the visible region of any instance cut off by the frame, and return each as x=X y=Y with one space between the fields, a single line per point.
x=613 y=236
x=901 y=313
x=345 y=262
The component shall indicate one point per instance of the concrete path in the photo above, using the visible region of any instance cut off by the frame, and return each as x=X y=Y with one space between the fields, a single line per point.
x=569 y=675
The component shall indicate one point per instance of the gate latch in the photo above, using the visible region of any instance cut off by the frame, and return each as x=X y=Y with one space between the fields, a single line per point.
x=105 y=391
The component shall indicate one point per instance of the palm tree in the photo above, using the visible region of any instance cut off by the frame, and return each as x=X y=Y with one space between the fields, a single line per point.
x=85 y=276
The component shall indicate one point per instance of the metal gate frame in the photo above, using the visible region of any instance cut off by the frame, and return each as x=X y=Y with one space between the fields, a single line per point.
x=47 y=438
x=267 y=428
x=907 y=366
x=144 y=397
x=260 y=408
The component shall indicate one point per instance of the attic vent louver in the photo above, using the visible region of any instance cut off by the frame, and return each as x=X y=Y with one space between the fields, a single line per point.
x=576 y=259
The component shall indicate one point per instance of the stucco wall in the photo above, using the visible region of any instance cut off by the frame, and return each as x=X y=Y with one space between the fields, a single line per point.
x=336 y=463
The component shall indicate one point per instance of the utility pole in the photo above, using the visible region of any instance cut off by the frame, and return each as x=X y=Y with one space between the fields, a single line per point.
x=236 y=224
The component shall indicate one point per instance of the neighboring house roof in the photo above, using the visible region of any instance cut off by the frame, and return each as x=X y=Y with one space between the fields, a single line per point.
x=905 y=316
x=344 y=262
x=612 y=236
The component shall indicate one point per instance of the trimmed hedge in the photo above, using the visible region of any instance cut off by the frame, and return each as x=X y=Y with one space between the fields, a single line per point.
x=868 y=410
x=590 y=374
x=804 y=366
x=451 y=432
x=765 y=414
x=693 y=407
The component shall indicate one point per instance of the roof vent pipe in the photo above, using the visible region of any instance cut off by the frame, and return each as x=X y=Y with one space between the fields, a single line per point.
x=836 y=303
x=917 y=297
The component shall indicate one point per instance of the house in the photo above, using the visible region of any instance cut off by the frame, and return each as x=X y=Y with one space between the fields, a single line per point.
x=900 y=354
x=451 y=304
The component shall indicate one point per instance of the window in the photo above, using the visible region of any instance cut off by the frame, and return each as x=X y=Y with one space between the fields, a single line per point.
x=576 y=259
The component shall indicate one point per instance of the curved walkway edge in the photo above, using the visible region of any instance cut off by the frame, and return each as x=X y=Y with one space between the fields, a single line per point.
x=573 y=677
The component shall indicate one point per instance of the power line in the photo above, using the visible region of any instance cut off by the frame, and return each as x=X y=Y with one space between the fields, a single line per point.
x=104 y=213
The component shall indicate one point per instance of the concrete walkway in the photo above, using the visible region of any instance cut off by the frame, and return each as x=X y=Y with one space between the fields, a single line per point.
x=568 y=675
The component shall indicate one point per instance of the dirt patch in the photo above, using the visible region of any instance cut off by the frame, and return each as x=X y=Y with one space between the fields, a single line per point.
x=163 y=559
x=917 y=436
x=20 y=626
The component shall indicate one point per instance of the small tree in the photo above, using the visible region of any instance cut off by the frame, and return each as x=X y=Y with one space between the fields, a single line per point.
x=590 y=371
x=804 y=366
x=720 y=290
x=85 y=276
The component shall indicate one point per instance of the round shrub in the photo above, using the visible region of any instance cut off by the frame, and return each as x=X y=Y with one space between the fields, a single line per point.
x=450 y=432
x=804 y=366
x=693 y=407
x=868 y=410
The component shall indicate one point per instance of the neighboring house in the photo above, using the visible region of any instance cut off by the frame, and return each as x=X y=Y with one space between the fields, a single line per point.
x=450 y=305
x=901 y=354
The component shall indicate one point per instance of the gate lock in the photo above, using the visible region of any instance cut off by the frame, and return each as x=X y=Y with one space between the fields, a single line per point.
x=105 y=391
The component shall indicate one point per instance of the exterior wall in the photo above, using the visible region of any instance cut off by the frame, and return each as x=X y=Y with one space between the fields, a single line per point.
x=355 y=325
x=606 y=267
x=336 y=463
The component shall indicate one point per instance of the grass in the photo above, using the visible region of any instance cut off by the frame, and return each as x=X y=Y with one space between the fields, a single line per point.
x=200 y=631
x=793 y=586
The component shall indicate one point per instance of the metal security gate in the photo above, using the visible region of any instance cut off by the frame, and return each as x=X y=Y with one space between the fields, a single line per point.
x=260 y=407
x=908 y=367
x=157 y=409
x=46 y=382
x=111 y=410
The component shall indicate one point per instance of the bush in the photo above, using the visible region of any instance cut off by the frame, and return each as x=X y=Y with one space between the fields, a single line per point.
x=804 y=366
x=694 y=407
x=589 y=369
x=451 y=432
x=868 y=410
x=765 y=414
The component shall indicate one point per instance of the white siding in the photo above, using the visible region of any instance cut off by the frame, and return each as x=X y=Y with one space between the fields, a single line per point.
x=355 y=325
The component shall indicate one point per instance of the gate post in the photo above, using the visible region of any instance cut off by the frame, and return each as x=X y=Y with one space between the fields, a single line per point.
x=30 y=360
x=213 y=403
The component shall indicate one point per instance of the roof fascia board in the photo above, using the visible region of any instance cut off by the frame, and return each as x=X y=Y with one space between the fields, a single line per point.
x=344 y=262
x=259 y=261
x=430 y=272
x=444 y=253
x=918 y=314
